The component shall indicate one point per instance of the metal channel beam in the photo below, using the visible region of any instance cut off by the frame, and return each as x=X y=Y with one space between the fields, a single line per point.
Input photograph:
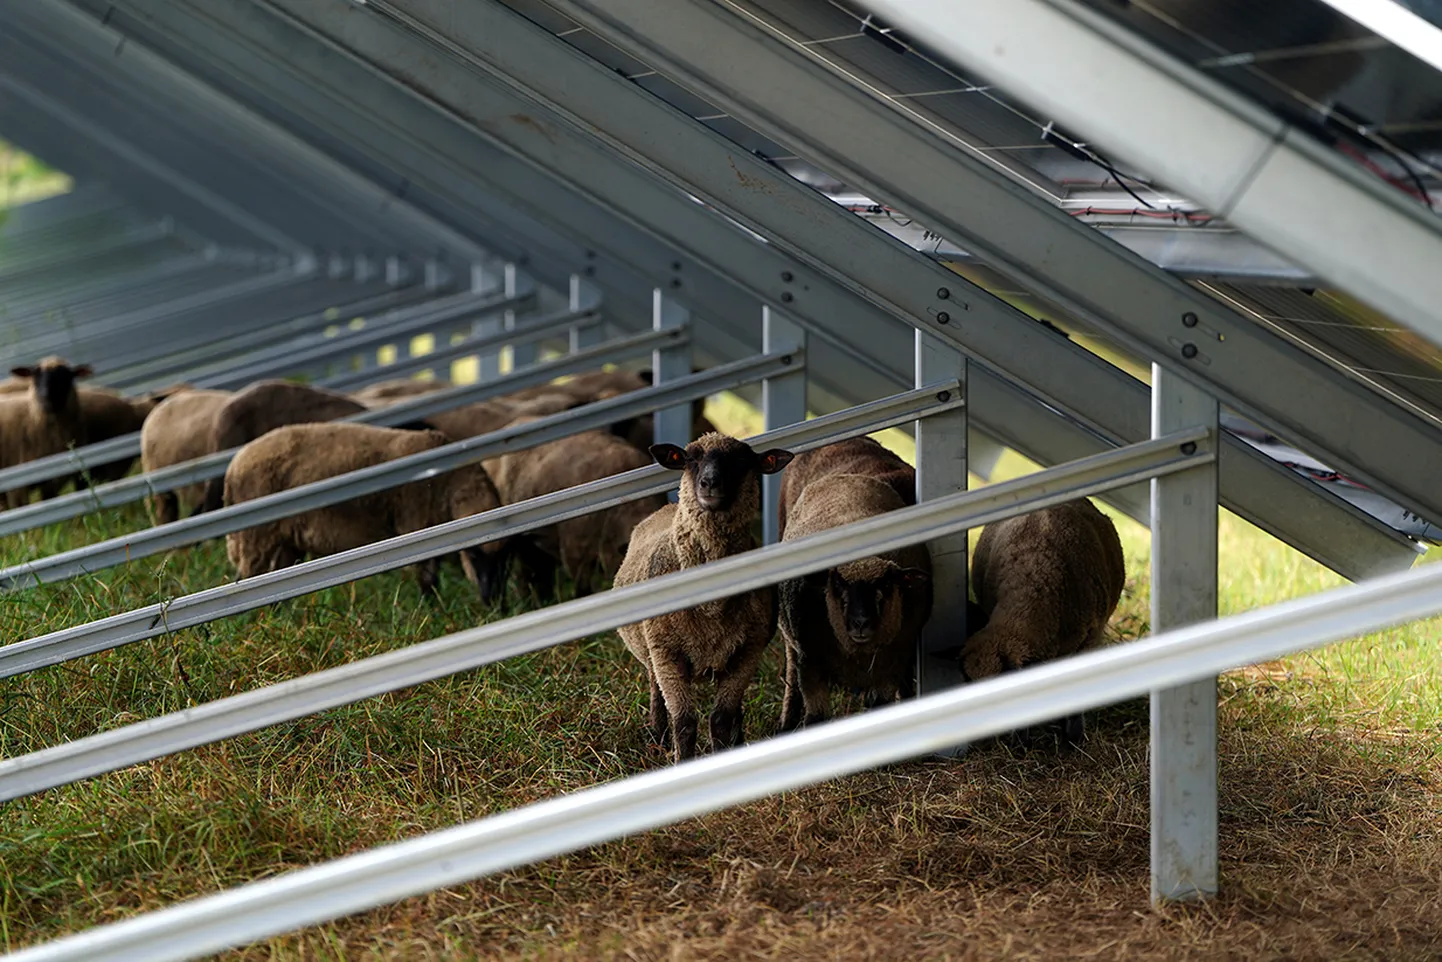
x=232 y=599
x=380 y=477
x=735 y=62
x=590 y=817
x=175 y=476
x=1228 y=152
x=623 y=119
x=557 y=624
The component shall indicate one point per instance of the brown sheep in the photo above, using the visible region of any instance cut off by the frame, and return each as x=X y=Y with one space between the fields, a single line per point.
x=720 y=502
x=266 y=405
x=386 y=393
x=106 y=414
x=299 y=454
x=602 y=385
x=589 y=548
x=43 y=421
x=856 y=625
x=1048 y=583
x=483 y=417
x=179 y=430
x=861 y=455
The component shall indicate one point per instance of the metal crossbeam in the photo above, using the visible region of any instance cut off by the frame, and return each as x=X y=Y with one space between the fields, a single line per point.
x=580 y=820
x=737 y=63
x=226 y=600
x=533 y=631
x=390 y=474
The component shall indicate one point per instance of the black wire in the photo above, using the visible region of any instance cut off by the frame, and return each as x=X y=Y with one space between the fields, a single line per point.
x=1082 y=152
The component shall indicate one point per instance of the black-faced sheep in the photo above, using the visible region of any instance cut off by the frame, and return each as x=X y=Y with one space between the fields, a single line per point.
x=391 y=392
x=179 y=430
x=719 y=504
x=44 y=420
x=1048 y=583
x=305 y=453
x=264 y=406
x=589 y=548
x=855 y=626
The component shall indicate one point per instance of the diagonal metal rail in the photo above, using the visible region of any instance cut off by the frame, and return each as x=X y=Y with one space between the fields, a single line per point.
x=226 y=600
x=592 y=816
x=533 y=631
x=391 y=474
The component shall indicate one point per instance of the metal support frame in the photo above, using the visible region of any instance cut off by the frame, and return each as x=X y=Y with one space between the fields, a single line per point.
x=672 y=425
x=741 y=66
x=1184 y=592
x=940 y=473
x=380 y=477
x=783 y=402
x=500 y=277
x=1242 y=161
x=557 y=624
x=328 y=84
x=584 y=296
x=590 y=817
x=226 y=600
x=518 y=283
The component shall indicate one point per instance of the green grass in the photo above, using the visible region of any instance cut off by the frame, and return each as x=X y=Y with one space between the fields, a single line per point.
x=1330 y=806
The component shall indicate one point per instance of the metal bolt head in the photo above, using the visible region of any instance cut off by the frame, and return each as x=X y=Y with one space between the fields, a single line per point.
x=786 y=297
x=1189 y=319
x=675 y=282
x=943 y=293
x=1189 y=351
x=787 y=276
x=943 y=396
x=786 y=359
x=590 y=270
x=675 y=265
x=1189 y=448
x=943 y=318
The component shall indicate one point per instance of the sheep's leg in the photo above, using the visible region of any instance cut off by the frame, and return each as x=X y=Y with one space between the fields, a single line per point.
x=815 y=693
x=671 y=671
x=428 y=574
x=658 y=724
x=791 y=705
x=728 y=729
x=166 y=506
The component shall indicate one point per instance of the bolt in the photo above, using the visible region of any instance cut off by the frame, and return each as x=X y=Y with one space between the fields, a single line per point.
x=943 y=293
x=943 y=396
x=590 y=270
x=1189 y=319
x=590 y=255
x=1189 y=448
x=675 y=265
x=943 y=318
x=786 y=297
x=786 y=359
x=787 y=276
x=675 y=282
x=1189 y=351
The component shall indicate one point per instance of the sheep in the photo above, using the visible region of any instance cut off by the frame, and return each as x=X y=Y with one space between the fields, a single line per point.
x=603 y=385
x=861 y=455
x=263 y=406
x=720 y=501
x=483 y=417
x=298 y=454
x=44 y=420
x=386 y=393
x=1048 y=583
x=855 y=625
x=178 y=430
x=106 y=414
x=590 y=548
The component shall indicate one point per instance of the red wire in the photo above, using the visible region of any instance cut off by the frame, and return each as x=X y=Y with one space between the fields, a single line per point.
x=1367 y=162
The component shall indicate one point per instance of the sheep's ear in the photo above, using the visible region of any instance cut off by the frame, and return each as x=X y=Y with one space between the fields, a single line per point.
x=23 y=372
x=645 y=375
x=774 y=460
x=81 y=371
x=669 y=456
x=912 y=577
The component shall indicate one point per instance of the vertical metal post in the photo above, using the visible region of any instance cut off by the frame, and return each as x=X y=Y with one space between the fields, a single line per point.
x=484 y=278
x=522 y=355
x=673 y=425
x=584 y=296
x=1183 y=719
x=940 y=471
x=783 y=402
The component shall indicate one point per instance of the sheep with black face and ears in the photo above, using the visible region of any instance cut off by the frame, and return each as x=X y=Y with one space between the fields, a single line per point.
x=1048 y=583
x=855 y=626
x=46 y=419
x=720 y=501
x=300 y=454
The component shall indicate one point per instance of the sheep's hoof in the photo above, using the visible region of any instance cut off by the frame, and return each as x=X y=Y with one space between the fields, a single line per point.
x=657 y=735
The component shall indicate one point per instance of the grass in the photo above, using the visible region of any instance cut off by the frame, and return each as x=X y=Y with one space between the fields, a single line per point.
x=1331 y=794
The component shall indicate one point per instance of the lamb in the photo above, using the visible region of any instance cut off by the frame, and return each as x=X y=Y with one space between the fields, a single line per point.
x=855 y=625
x=385 y=393
x=720 y=501
x=298 y=454
x=590 y=548
x=179 y=430
x=263 y=406
x=1048 y=583
x=43 y=421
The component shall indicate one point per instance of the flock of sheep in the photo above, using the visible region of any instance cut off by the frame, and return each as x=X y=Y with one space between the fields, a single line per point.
x=1046 y=583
